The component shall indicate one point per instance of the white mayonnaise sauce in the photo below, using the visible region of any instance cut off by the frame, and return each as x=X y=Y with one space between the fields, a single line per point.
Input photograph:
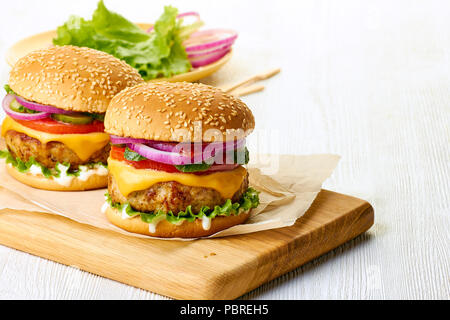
x=179 y=223
x=64 y=179
x=35 y=170
x=86 y=173
x=105 y=207
x=152 y=226
x=206 y=223
x=123 y=212
x=125 y=215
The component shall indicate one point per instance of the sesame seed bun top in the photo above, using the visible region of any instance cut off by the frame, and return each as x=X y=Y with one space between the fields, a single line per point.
x=178 y=112
x=72 y=78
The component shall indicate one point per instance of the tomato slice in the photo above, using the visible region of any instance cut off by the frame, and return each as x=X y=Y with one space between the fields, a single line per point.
x=52 y=126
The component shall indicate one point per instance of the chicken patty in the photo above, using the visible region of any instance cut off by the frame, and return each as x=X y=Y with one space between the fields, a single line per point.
x=24 y=147
x=172 y=196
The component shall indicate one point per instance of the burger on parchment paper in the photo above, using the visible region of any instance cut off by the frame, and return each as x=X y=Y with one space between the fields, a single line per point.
x=176 y=168
x=55 y=109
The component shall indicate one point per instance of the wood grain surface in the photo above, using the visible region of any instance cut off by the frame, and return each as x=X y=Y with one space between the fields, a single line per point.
x=223 y=268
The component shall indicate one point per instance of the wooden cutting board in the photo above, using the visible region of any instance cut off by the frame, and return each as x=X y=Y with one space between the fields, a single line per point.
x=204 y=269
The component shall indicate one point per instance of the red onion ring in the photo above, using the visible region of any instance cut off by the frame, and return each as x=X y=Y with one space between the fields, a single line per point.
x=121 y=140
x=217 y=147
x=191 y=13
x=169 y=146
x=218 y=152
x=180 y=16
x=208 y=52
x=173 y=155
x=163 y=146
x=18 y=115
x=39 y=107
x=211 y=38
x=221 y=147
x=160 y=156
x=208 y=60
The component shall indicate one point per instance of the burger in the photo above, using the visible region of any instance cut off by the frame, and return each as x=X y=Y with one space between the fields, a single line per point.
x=176 y=168
x=55 y=105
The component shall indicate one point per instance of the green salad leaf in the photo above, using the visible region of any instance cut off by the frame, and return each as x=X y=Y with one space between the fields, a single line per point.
x=188 y=168
x=8 y=89
x=130 y=155
x=249 y=200
x=159 y=53
x=25 y=166
x=241 y=157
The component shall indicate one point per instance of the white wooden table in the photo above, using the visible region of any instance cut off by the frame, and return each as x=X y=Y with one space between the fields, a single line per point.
x=368 y=81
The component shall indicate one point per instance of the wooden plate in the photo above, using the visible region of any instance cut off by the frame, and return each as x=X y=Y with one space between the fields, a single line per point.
x=44 y=40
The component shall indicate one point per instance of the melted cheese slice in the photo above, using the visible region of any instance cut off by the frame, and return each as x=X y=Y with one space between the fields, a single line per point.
x=130 y=179
x=84 y=145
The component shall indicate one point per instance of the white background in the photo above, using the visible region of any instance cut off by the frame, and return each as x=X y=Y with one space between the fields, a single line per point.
x=366 y=80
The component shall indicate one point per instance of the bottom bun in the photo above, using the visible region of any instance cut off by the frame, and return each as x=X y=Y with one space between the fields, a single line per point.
x=165 y=229
x=40 y=182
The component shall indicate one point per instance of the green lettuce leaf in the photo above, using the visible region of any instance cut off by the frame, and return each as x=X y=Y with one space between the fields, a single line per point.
x=189 y=168
x=24 y=166
x=114 y=26
x=249 y=200
x=241 y=157
x=8 y=89
x=130 y=155
x=156 y=54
